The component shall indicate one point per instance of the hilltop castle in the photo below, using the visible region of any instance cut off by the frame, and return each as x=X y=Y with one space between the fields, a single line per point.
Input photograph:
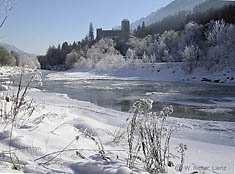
x=123 y=34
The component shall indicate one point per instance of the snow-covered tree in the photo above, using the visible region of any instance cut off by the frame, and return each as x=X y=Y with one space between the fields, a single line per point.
x=221 y=46
x=102 y=56
x=130 y=55
x=139 y=46
x=191 y=35
x=5 y=57
x=191 y=56
x=71 y=59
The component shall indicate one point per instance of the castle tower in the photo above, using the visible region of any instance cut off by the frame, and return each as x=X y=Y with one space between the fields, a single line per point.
x=125 y=29
x=99 y=33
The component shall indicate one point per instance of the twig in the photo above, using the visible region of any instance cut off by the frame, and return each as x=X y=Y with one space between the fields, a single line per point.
x=75 y=149
x=59 y=152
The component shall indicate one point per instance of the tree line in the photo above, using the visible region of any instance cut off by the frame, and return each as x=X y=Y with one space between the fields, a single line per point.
x=56 y=55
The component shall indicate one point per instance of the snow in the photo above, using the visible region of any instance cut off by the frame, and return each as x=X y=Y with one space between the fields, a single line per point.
x=217 y=110
x=156 y=71
x=58 y=119
x=6 y=71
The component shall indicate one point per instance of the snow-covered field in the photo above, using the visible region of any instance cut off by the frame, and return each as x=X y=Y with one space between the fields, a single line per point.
x=58 y=120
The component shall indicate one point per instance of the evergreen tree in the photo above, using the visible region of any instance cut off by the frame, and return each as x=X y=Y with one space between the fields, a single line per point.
x=65 y=47
x=74 y=46
x=91 y=33
x=137 y=31
x=143 y=30
x=58 y=47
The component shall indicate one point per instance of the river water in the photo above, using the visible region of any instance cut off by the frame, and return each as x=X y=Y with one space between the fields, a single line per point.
x=190 y=100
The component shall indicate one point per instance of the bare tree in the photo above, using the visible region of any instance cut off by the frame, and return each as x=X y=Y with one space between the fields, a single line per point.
x=6 y=7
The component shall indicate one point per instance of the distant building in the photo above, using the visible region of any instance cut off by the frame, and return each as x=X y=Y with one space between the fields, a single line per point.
x=123 y=34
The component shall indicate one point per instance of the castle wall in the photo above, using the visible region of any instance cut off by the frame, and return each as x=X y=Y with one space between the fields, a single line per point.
x=122 y=34
x=112 y=33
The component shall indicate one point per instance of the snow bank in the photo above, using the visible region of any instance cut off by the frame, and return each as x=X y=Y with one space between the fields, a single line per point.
x=55 y=125
x=157 y=71
x=13 y=70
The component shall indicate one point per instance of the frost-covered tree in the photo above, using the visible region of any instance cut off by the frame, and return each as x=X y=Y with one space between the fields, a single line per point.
x=139 y=46
x=191 y=57
x=102 y=56
x=165 y=47
x=192 y=35
x=71 y=59
x=5 y=57
x=213 y=49
x=221 y=46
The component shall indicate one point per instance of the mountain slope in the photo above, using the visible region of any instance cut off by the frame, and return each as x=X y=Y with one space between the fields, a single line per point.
x=24 y=59
x=171 y=9
x=13 y=48
x=209 y=4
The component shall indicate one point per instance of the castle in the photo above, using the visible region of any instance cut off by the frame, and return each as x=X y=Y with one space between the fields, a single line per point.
x=122 y=35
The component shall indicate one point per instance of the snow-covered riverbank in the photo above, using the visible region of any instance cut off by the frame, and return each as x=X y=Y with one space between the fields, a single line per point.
x=13 y=70
x=158 y=72
x=56 y=124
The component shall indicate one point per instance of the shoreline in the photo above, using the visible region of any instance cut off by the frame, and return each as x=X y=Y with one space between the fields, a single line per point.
x=171 y=72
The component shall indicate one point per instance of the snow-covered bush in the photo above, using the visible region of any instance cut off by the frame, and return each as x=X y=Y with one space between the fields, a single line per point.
x=130 y=55
x=109 y=62
x=84 y=63
x=16 y=109
x=28 y=61
x=149 y=136
x=71 y=59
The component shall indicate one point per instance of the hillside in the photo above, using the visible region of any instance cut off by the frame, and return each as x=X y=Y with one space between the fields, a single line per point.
x=17 y=50
x=171 y=9
x=22 y=58
x=211 y=4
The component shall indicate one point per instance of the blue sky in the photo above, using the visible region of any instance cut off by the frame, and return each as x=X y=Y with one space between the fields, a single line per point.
x=34 y=25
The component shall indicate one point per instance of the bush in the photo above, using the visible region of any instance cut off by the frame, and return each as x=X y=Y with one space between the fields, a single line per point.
x=71 y=59
x=109 y=62
x=148 y=136
x=16 y=110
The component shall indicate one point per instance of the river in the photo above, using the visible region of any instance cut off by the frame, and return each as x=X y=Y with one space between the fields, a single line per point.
x=190 y=100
